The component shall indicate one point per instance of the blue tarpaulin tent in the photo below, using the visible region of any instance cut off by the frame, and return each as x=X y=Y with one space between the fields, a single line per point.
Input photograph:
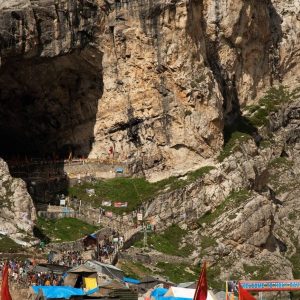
x=131 y=280
x=158 y=294
x=58 y=292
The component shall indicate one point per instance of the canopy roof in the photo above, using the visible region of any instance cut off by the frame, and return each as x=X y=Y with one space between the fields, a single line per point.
x=94 y=264
x=180 y=292
x=82 y=269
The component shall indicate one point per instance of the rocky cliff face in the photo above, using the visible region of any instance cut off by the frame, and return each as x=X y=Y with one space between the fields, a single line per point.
x=161 y=82
x=17 y=212
x=50 y=83
x=172 y=75
x=178 y=71
x=53 y=74
x=243 y=215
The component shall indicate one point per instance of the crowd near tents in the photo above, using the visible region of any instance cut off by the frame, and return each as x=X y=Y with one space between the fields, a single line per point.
x=94 y=280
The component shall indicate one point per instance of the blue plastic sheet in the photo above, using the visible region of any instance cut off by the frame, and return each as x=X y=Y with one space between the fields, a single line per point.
x=54 y=292
x=174 y=298
x=131 y=280
x=158 y=294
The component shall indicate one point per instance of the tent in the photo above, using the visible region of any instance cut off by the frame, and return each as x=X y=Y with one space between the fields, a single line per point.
x=179 y=292
x=211 y=296
x=109 y=270
x=77 y=277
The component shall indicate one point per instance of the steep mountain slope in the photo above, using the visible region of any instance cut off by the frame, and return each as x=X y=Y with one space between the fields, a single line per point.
x=244 y=215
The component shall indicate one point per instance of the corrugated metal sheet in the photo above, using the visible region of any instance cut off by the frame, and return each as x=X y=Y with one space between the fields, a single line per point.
x=124 y=294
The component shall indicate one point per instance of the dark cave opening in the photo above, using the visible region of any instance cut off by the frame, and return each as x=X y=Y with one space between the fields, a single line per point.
x=48 y=110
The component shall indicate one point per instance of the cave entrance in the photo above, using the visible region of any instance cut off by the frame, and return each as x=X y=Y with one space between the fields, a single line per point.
x=48 y=110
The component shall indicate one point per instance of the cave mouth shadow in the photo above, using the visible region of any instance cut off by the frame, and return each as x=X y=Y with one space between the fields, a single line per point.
x=243 y=125
x=48 y=109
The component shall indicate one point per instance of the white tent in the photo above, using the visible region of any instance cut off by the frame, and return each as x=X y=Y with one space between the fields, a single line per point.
x=211 y=296
x=186 y=293
x=180 y=292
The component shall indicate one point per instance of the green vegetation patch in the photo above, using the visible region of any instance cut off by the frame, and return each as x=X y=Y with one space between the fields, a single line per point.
x=134 y=269
x=280 y=162
x=213 y=278
x=207 y=241
x=7 y=245
x=293 y=215
x=270 y=102
x=63 y=230
x=177 y=272
x=258 y=272
x=295 y=261
x=236 y=139
x=234 y=199
x=132 y=190
x=169 y=242
x=265 y=144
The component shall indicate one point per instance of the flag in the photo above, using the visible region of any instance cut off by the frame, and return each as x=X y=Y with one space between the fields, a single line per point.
x=201 y=290
x=5 y=294
x=244 y=294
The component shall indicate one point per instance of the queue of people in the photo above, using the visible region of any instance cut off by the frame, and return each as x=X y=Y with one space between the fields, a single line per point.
x=22 y=273
x=66 y=258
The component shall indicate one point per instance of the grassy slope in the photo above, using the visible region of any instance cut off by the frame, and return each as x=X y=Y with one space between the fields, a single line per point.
x=63 y=230
x=7 y=245
x=169 y=242
x=174 y=272
x=132 y=190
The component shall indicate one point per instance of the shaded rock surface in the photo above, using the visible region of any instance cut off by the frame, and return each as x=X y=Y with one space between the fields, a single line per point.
x=50 y=84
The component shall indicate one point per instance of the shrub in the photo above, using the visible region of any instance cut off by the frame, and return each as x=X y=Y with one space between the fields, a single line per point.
x=270 y=102
x=234 y=199
x=236 y=139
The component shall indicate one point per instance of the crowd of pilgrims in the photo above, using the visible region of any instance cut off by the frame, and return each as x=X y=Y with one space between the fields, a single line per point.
x=67 y=258
x=22 y=272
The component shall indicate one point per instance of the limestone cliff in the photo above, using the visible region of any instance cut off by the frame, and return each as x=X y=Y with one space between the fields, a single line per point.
x=163 y=83
x=177 y=72
x=157 y=81
x=17 y=212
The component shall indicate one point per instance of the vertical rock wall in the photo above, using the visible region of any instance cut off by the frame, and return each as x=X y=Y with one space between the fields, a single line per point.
x=176 y=71
x=17 y=212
